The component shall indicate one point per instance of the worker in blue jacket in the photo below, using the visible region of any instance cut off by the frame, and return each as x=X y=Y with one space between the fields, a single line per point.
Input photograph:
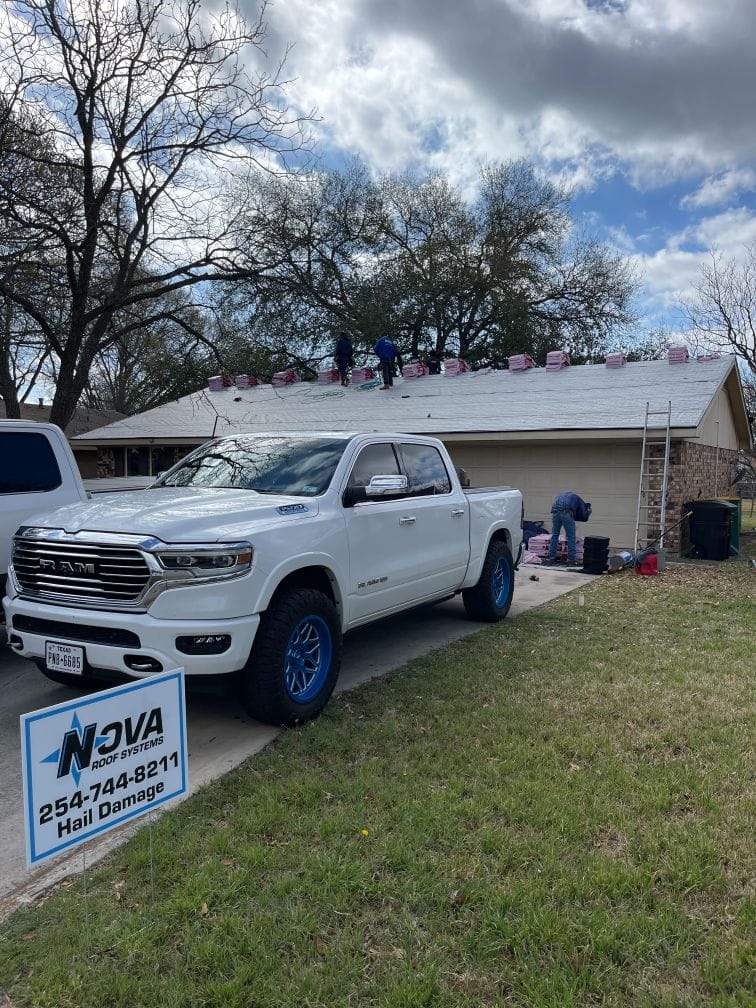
x=385 y=350
x=565 y=511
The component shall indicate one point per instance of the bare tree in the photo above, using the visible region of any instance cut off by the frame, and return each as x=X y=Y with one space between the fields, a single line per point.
x=142 y=111
x=723 y=313
x=485 y=279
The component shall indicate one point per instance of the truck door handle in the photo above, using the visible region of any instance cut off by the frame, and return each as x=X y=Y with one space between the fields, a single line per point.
x=457 y=512
x=407 y=521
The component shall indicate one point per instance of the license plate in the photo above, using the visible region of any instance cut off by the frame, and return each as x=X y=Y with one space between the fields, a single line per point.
x=64 y=658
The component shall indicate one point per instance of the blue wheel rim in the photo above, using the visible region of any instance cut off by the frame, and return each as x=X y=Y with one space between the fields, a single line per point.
x=502 y=577
x=307 y=659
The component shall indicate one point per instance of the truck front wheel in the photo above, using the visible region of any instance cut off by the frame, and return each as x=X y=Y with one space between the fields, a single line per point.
x=489 y=600
x=295 y=659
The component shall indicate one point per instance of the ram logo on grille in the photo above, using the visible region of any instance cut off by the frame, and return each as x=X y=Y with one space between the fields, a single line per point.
x=68 y=567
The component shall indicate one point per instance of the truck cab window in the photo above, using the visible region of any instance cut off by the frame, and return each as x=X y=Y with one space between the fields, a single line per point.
x=374 y=460
x=28 y=464
x=425 y=470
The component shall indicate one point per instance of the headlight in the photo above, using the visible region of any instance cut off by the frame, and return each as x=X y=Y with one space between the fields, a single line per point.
x=207 y=561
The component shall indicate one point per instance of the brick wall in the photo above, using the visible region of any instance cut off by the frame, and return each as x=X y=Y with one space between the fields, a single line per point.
x=695 y=471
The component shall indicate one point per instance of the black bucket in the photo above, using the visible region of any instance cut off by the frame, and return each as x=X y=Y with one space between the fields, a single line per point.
x=595 y=554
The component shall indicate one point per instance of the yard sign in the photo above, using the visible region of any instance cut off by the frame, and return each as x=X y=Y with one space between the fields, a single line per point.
x=95 y=762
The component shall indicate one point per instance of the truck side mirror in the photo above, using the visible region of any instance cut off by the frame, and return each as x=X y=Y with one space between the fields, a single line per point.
x=386 y=486
x=379 y=486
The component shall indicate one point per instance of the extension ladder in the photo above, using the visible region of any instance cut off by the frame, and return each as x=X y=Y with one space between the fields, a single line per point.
x=654 y=476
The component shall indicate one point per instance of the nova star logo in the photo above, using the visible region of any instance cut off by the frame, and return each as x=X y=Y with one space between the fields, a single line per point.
x=80 y=744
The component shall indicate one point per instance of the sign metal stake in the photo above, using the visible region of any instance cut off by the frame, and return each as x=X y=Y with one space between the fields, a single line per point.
x=86 y=901
x=152 y=863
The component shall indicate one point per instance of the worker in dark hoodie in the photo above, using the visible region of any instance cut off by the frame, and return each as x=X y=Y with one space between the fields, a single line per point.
x=343 y=355
x=567 y=509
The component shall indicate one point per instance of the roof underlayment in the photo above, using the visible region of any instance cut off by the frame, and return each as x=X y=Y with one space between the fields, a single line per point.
x=588 y=398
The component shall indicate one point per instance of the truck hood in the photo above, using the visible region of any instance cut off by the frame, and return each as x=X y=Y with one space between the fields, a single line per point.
x=180 y=514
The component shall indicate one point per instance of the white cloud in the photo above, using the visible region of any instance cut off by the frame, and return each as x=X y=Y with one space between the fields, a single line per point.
x=718 y=189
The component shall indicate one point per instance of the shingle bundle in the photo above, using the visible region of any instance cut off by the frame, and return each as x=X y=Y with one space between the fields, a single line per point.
x=244 y=381
x=521 y=362
x=707 y=357
x=455 y=366
x=616 y=360
x=540 y=546
x=414 y=370
x=329 y=376
x=677 y=355
x=557 y=359
x=219 y=382
x=288 y=377
x=361 y=374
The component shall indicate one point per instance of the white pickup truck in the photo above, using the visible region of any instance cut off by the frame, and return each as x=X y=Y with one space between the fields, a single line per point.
x=251 y=558
x=37 y=473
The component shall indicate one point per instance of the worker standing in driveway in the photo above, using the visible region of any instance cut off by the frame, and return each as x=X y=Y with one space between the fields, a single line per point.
x=565 y=511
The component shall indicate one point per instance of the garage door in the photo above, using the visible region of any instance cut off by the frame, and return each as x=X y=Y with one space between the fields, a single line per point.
x=604 y=473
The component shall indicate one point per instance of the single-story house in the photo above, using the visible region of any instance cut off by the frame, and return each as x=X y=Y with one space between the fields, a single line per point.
x=579 y=428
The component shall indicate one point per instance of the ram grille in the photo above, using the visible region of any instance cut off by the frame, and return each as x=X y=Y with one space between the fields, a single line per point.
x=66 y=570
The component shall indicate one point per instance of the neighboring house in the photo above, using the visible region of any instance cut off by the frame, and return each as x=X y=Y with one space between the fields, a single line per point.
x=579 y=429
x=83 y=420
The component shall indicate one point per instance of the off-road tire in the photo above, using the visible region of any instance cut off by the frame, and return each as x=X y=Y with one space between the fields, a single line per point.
x=489 y=600
x=264 y=692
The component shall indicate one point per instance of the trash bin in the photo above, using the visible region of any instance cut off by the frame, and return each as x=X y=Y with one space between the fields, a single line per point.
x=735 y=526
x=710 y=527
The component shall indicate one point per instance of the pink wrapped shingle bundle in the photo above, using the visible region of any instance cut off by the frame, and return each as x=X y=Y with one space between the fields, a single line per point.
x=521 y=362
x=361 y=374
x=616 y=360
x=557 y=359
x=244 y=381
x=540 y=546
x=329 y=376
x=707 y=357
x=530 y=558
x=414 y=370
x=219 y=382
x=289 y=377
x=455 y=366
x=677 y=355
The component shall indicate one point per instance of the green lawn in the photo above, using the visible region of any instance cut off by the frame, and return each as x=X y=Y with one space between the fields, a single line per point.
x=555 y=812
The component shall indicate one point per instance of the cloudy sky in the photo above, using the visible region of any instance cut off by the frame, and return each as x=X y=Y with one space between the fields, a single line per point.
x=646 y=108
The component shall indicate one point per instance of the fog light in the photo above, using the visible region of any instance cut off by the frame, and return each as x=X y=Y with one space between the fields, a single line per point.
x=204 y=644
x=15 y=642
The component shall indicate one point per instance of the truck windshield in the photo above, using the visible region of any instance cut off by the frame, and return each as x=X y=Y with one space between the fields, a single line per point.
x=297 y=467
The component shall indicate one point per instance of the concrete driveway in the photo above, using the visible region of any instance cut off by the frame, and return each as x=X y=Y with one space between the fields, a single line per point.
x=220 y=735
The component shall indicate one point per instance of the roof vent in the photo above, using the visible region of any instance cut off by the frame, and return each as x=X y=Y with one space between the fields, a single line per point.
x=521 y=362
x=455 y=366
x=677 y=355
x=557 y=360
x=288 y=377
x=616 y=360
